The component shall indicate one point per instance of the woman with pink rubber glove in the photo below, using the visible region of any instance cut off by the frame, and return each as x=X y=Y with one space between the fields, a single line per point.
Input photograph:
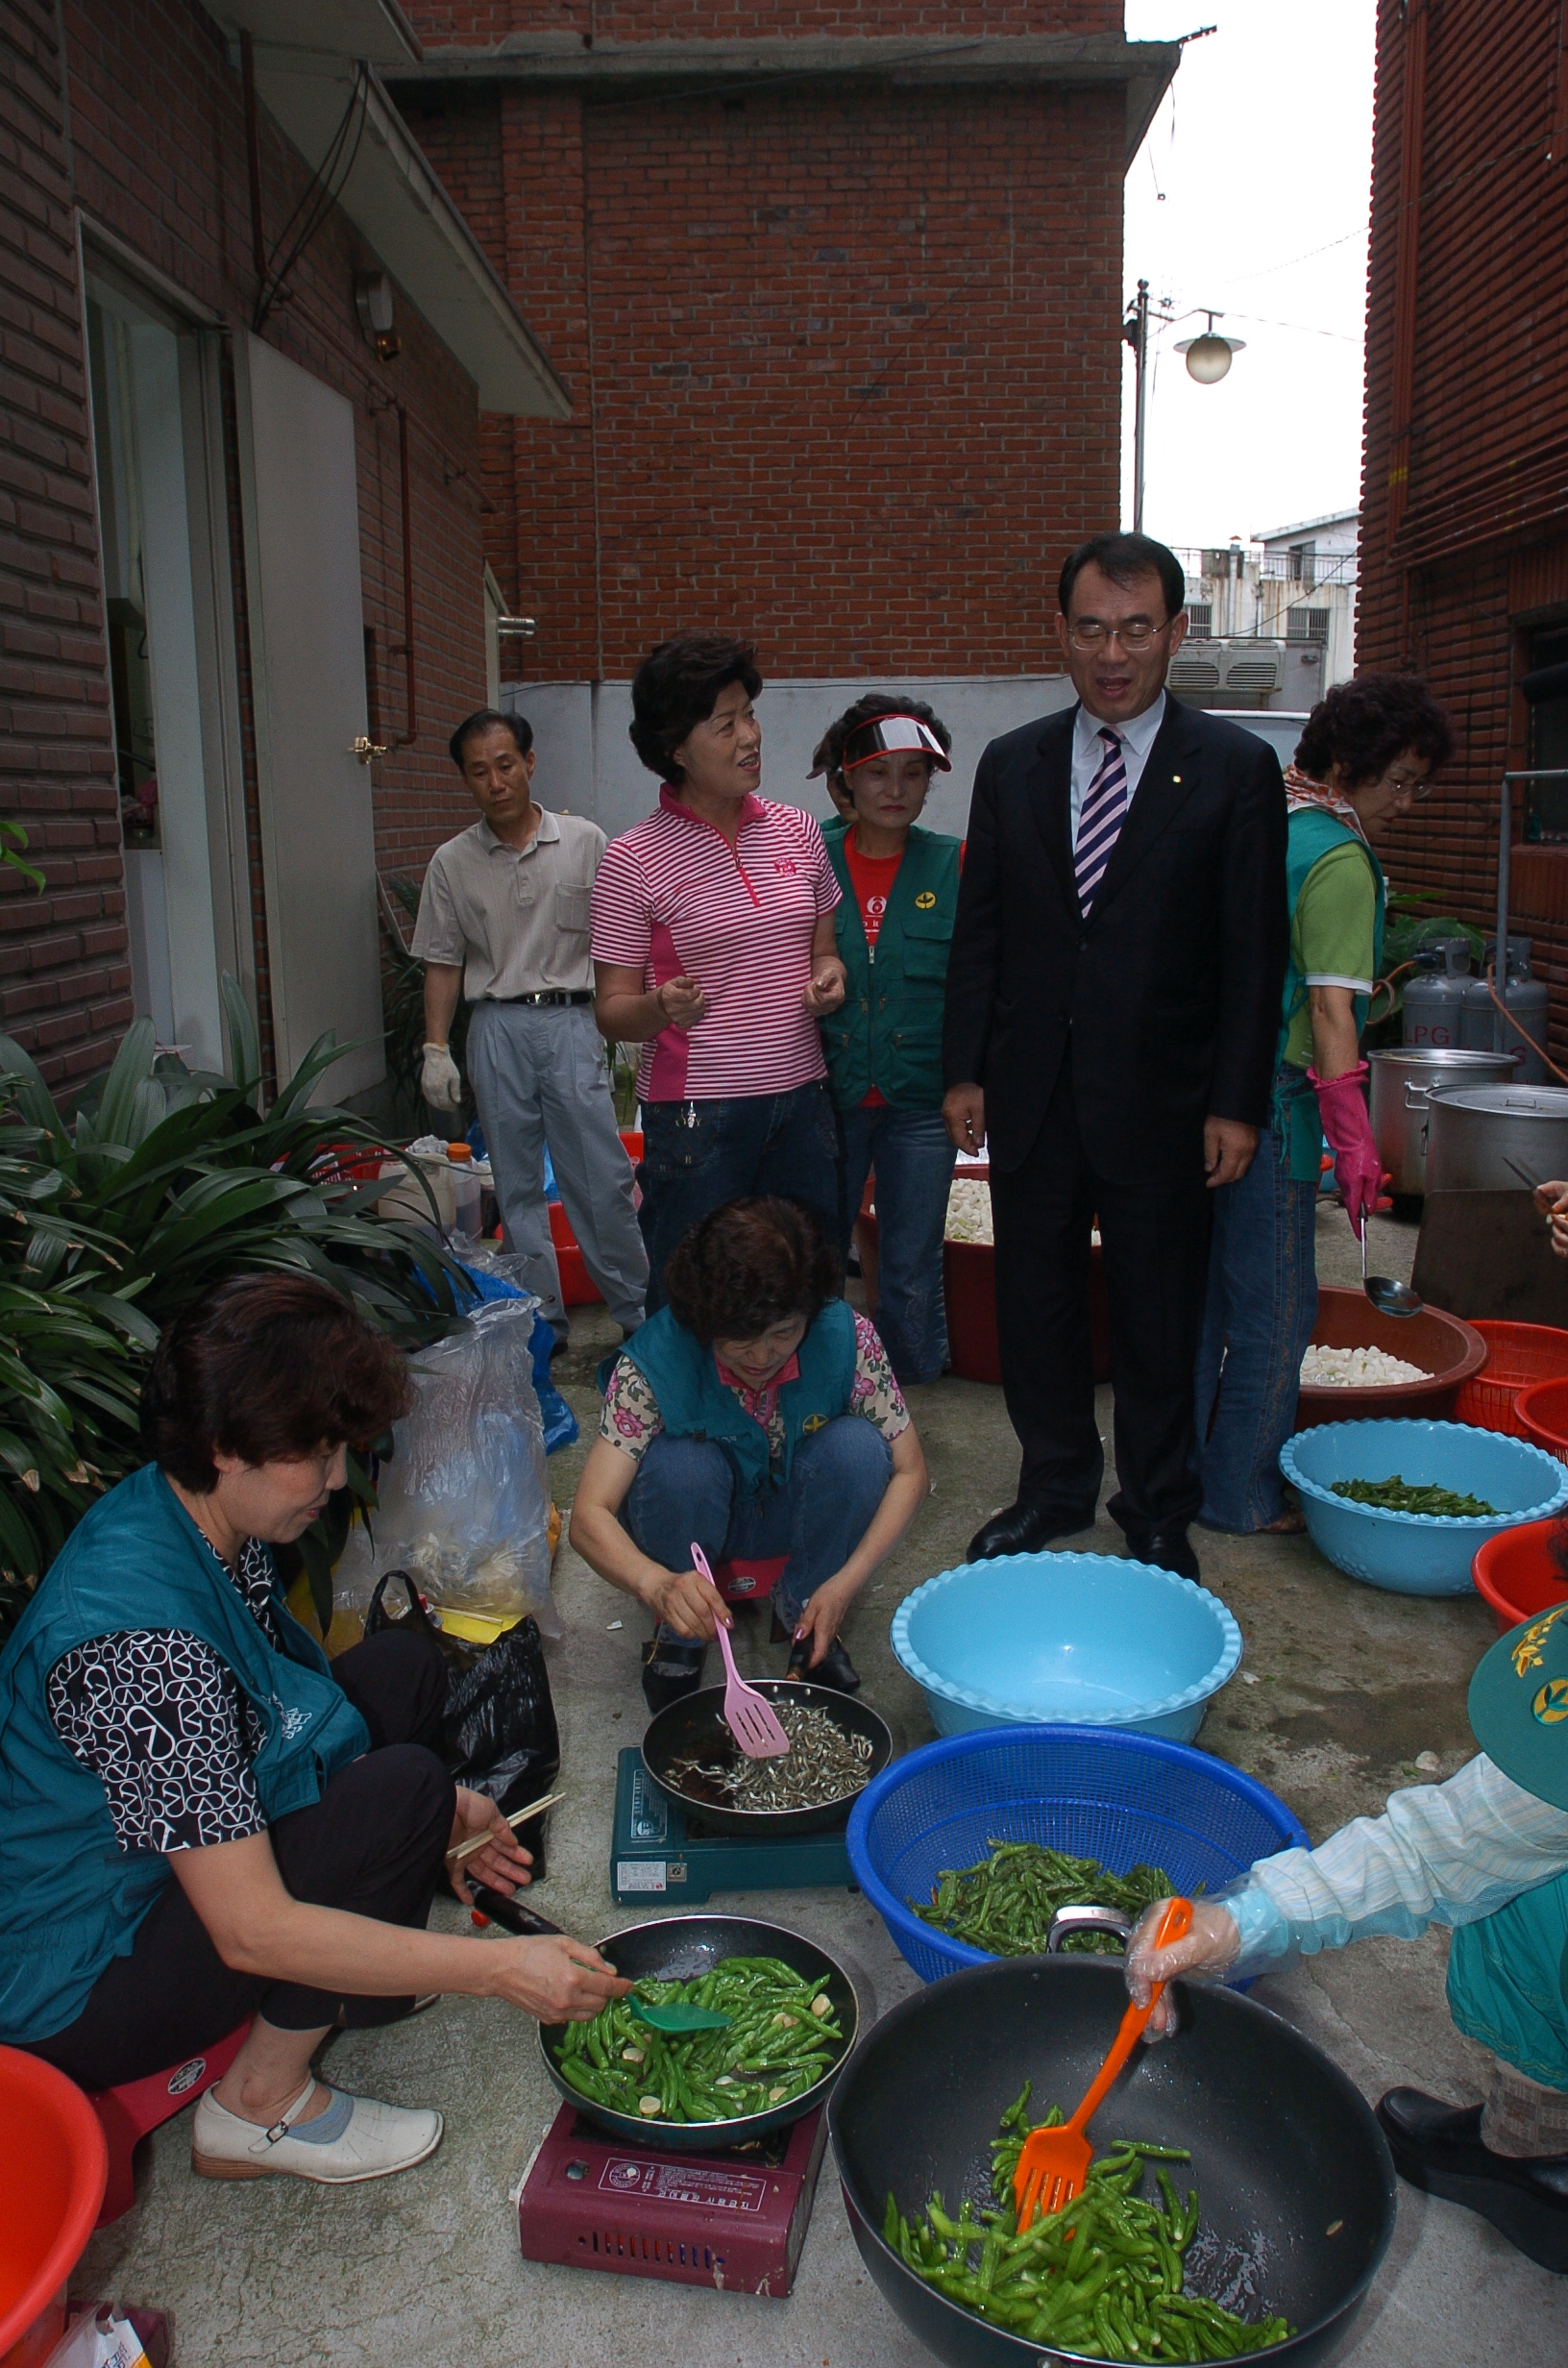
x=1368 y=750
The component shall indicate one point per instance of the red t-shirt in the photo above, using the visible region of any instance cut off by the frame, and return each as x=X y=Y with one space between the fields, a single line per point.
x=873 y=877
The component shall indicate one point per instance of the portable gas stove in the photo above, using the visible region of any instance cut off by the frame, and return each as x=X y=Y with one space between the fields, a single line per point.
x=591 y=2201
x=659 y=1846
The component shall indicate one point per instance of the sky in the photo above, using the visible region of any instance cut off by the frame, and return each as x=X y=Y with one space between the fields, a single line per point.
x=1250 y=194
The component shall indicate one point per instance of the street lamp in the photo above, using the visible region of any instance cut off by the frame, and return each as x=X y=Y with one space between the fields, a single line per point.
x=1208 y=358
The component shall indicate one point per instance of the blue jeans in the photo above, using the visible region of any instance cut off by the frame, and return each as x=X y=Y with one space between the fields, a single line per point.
x=698 y=1154
x=686 y=1488
x=914 y=1163
x=1258 y=1319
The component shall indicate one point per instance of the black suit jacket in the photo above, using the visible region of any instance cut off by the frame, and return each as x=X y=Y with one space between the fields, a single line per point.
x=1169 y=994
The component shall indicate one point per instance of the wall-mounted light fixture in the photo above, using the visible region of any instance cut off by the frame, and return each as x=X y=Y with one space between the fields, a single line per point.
x=373 y=302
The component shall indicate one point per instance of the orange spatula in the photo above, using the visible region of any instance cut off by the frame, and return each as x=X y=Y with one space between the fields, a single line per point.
x=1054 y=2163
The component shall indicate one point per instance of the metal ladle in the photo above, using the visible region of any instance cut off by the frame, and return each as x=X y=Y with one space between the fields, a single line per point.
x=1388 y=1297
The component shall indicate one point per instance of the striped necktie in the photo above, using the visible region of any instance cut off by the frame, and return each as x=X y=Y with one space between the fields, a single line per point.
x=1099 y=825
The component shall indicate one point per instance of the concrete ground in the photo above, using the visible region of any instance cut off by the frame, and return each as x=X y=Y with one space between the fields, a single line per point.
x=1341 y=1690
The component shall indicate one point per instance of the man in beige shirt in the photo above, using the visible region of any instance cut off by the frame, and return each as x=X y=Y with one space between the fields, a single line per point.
x=504 y=920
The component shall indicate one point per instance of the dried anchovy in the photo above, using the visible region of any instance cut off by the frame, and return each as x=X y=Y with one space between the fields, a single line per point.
x=825 y=1763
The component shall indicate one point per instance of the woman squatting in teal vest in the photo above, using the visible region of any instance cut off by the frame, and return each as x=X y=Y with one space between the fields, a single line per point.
x=202 y=1823
x=756 y=1416
x=1367 y=751
x=883 y=1045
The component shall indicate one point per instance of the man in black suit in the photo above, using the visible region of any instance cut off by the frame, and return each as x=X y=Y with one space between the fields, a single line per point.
x=1112 y=1010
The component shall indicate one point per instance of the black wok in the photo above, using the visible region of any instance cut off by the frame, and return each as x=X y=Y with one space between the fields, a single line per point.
x=696 y=1723
x=1294 y=2181
x=681 y=1948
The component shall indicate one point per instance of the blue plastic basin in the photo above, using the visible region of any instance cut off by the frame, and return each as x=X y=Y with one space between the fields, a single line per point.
x=1417 y=1553
x=1087 y=1640
x=1124 y=1799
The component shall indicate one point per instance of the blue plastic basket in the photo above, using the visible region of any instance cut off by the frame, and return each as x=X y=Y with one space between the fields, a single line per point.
x=1123 y=1799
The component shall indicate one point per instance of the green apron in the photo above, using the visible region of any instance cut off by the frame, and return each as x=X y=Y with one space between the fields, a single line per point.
x=1508 y=1983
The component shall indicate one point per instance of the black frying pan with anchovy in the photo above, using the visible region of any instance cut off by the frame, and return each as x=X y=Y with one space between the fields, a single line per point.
x=1295 y=2184
x=682 y=1948
x=696 y=1723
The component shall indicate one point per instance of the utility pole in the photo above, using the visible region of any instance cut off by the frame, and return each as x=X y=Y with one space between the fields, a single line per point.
x=1134 y=329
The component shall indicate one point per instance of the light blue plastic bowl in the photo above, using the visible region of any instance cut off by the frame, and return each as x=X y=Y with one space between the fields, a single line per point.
x=1079 y=1640
x=1417 y=1553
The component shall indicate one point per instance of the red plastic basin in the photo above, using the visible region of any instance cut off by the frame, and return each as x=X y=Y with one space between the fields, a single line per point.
x=1542 y=1411
x=1444 y=1346
x=1517 y=1574
x=1518 y=1355
x=53 y=2165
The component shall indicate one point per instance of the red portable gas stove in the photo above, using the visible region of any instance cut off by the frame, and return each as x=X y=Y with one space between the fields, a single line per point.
x=737 y=2219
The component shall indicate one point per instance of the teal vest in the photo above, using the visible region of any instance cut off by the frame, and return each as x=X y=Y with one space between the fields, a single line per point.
x=694 y=1403
x=70 y=1898
x=887 y=1032
x=1314 y=832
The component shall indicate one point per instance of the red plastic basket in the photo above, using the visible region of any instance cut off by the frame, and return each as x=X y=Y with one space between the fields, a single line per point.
x=1518 y=1574
x=1542 y=1413
x=1518 y=1354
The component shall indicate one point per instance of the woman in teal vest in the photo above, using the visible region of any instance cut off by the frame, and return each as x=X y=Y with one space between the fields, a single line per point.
x=883 y=1045
x=1366 y=753
x=201 y=1821
x=756 y=1417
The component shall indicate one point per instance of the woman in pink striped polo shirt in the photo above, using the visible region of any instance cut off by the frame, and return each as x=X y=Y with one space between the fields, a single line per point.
x=714 y=949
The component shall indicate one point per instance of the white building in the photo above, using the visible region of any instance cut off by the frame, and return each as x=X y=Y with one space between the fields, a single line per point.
x=1272 y=622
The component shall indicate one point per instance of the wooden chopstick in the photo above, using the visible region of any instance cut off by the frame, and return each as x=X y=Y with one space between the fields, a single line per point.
x=520 y=1816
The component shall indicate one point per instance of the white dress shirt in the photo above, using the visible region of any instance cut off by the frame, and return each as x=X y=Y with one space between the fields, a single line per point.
x=1136 y=736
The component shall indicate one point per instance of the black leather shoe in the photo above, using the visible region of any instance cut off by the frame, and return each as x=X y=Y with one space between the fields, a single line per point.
x=1025 y=1529
x=1169 y=1549
x=672 y=1666
x=1437 y=2147
x=835 y=1667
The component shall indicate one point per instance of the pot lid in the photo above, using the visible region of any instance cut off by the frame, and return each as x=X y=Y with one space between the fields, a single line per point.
x=1504 y=1101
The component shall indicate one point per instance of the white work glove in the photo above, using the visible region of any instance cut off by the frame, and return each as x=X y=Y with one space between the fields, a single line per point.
x=439 y=1082
x=1206 y=1953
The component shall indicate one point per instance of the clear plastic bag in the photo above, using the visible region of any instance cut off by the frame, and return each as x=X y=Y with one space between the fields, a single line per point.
x=464 y=1502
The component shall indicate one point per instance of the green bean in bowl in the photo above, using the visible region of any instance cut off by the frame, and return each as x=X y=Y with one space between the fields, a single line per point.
x=1004 y=1904
x=783 y=2035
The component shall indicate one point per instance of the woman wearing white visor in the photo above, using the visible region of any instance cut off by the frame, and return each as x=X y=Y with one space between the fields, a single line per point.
x=883 y=1044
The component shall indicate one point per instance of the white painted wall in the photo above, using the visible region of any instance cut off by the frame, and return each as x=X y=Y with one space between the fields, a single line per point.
x=587 y=764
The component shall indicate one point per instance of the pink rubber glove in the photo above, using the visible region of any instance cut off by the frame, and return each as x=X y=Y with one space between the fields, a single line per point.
x=1358 y=1169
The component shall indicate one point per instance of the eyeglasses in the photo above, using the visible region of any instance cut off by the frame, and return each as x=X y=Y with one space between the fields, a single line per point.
x=1413 y=790
x=1135 y=635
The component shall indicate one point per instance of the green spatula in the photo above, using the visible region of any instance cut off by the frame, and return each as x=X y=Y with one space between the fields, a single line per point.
x=678 y=2018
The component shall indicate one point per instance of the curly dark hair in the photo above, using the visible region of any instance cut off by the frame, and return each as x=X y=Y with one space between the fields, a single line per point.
x=1363 y=724
x=676 y=688
x=827 y=755
x=748 y=1266
x=267 y=1366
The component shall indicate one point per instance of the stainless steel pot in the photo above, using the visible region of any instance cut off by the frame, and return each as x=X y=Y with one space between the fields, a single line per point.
x=1402 y=1077
x=1474 y=1131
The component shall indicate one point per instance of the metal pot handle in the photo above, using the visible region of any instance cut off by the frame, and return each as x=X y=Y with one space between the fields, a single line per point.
x=1420 y=1091
x=1087 y=1919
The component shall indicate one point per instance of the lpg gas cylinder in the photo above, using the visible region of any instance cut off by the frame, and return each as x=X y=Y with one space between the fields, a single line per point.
x=1435 y=998
x=1527 y=1000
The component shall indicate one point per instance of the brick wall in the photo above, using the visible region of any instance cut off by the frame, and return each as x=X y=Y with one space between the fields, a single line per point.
x=144 y=132
x=846 y=361
x=1467 y=349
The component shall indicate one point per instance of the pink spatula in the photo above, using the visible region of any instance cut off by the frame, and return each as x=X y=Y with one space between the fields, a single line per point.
x=747 y=1713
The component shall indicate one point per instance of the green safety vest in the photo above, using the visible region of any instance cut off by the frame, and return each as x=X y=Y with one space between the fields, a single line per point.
x=70 y=1897
x=1314 y=833
x=887 y=1032
x=693 y=1403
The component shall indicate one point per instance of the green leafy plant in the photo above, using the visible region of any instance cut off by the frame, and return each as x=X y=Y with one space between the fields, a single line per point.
x=111 y=1225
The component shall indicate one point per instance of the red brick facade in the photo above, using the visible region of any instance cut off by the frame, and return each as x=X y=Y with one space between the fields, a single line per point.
x=845 y=355
x=140 y=127
x=1464 y=554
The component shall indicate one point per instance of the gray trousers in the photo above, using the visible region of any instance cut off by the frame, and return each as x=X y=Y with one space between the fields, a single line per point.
x=539 y=1075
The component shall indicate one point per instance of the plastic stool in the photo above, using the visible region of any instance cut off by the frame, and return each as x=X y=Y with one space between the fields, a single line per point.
x=127 y=2114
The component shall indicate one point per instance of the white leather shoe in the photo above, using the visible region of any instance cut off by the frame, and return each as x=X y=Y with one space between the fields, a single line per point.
x=355 y=2138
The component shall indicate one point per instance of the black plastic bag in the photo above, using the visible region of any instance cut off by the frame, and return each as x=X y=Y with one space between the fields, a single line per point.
x=499 y=1731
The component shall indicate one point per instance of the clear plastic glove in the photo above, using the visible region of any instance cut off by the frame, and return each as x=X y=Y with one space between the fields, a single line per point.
x=438 y=1080
x=1357 y=1168
x=1207 y=1953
